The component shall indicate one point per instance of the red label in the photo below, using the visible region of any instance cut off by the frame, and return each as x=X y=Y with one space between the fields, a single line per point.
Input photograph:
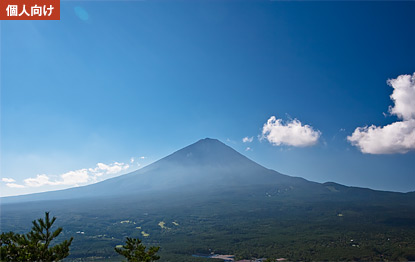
x=30 y=10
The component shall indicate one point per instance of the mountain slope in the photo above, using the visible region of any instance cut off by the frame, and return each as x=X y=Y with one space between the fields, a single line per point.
x=205 y=166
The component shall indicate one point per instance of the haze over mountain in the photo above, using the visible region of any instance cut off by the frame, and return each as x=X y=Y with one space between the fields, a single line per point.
x=206 y=166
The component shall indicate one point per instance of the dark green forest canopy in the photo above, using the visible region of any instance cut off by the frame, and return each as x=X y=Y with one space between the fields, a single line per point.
x=248 y=224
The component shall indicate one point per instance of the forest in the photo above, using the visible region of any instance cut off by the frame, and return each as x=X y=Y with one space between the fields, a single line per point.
x=251 y=225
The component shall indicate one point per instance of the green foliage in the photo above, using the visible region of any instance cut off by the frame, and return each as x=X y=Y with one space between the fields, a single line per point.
x=134 y=251
x=35 y=245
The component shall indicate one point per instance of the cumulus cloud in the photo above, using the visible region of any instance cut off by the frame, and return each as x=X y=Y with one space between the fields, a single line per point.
x=398 y=137
x=71 y=178
x=80 y=176
x=248 y=149
x=291 y=133
x=403 y=96
x=247 y=139
x=39 y=180
x=8 y=180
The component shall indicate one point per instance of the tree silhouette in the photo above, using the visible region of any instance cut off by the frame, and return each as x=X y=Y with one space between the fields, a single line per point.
x=134 y=251
x=35 y=245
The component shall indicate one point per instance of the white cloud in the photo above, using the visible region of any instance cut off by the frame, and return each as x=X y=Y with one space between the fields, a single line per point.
x=73 y=178
x=142 y=157
x=8 y=180
x=14 y=185
x=403 y=96
x=39 y=180
x=398 y=137
x=80 y=176
x=109 y=169
x=248 y=149
x=132 y=160
x=292 y=133
x=247 y=139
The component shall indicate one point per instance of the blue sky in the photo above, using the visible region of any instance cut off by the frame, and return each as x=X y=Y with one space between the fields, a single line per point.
x=112 y=81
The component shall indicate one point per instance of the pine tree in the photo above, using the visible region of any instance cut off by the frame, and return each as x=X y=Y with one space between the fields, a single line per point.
x=134 y=251
x=35 y=245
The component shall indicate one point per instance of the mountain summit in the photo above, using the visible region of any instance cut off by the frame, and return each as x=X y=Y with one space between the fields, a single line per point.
x=204 y=152
x=207 y=153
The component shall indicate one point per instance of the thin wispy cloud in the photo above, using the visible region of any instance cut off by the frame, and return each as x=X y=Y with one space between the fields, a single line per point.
x=247 y=139
x=14 y=185
x=398 y=137
x=114 y=168
x=290 y=133
x=8 y=180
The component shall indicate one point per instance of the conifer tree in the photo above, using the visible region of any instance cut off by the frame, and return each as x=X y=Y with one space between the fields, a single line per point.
x=35 y=245
x=134 y=251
